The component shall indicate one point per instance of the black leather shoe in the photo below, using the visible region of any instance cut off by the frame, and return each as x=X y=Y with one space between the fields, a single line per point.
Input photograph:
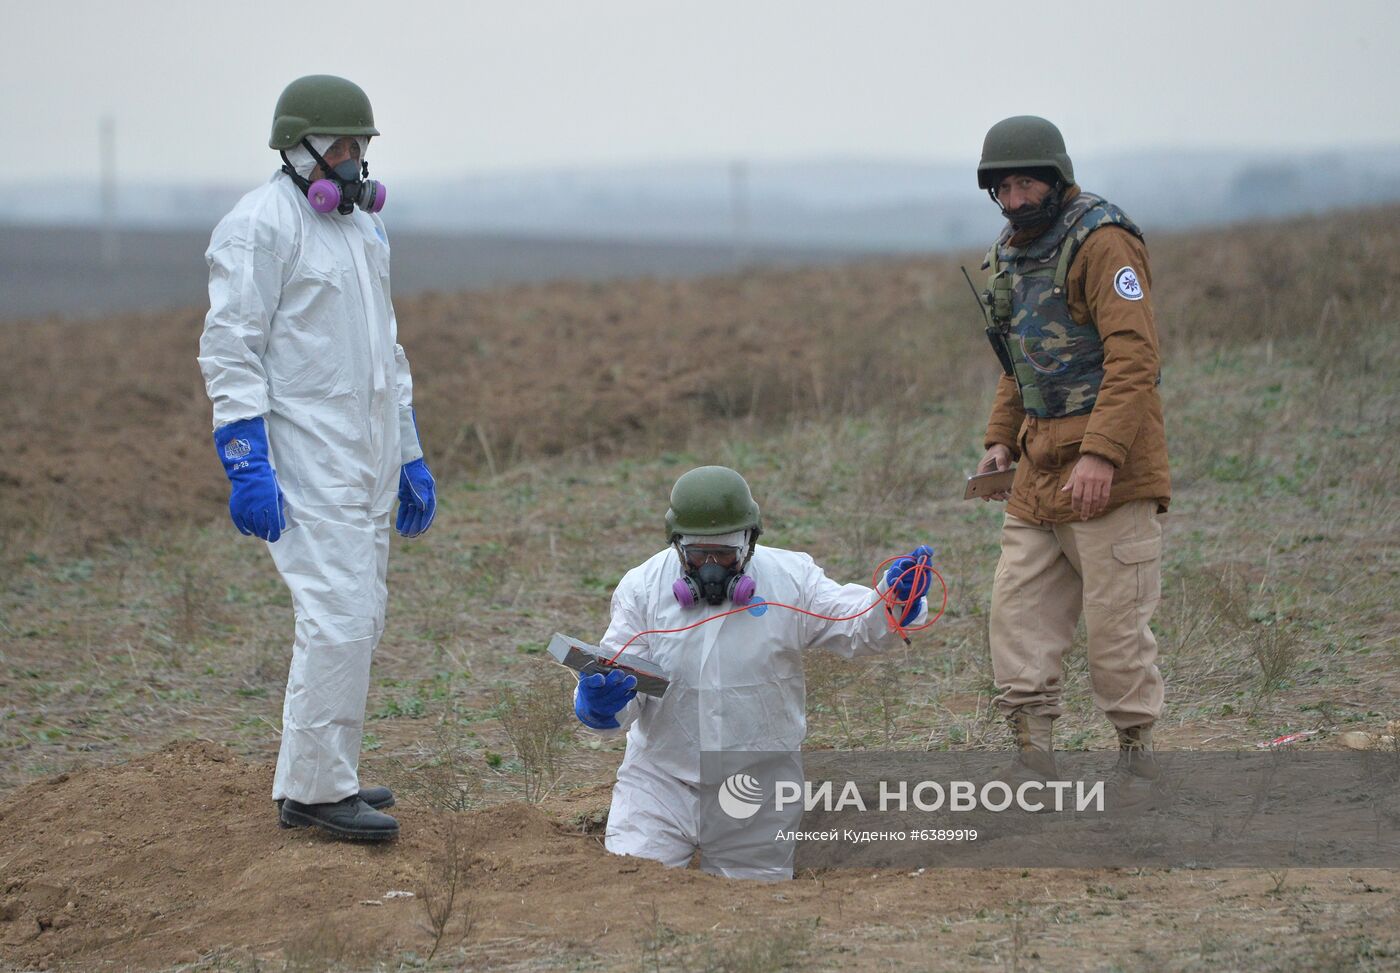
x=376 y=797
x=351 y=818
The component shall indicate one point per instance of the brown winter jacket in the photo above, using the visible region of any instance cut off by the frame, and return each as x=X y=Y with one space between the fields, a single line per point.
x=1125 y=426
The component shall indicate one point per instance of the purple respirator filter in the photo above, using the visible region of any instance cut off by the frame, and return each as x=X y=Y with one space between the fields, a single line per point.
x=323 y=195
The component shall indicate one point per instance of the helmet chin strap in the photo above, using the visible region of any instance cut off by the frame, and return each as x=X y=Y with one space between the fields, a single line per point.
x=303 y=184
x=751 y=543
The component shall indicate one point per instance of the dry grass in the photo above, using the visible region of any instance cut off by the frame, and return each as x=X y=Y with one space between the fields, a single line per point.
x=440 y=772
x=539 y=722
x=855 y=429
x=443 y=893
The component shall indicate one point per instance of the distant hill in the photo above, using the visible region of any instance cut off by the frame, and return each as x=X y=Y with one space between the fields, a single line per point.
x=869 y=205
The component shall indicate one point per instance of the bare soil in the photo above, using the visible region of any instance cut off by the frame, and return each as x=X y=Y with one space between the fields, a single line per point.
x=173 y=859
x=109 y=435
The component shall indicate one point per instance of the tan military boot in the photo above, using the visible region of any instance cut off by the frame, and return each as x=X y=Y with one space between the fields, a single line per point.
x=1135 y=753
x=1035 y=752
x=1136 y=773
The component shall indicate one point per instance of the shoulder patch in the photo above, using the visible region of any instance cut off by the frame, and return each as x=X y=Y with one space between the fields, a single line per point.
x=1125 y=282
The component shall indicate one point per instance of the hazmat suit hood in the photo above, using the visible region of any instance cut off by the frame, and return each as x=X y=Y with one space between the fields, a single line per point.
x=304 y=162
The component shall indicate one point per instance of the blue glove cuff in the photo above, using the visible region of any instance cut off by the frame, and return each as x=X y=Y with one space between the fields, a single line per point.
x=418 y=474
x=256 y=502
x=242 y=445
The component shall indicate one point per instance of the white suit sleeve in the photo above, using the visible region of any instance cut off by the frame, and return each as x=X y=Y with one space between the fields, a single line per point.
x=869 y=633
x=245 y=287
x=628 y=618
x=410 y=448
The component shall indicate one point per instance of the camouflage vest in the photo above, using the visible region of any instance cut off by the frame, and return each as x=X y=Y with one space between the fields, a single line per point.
x=1057 y=364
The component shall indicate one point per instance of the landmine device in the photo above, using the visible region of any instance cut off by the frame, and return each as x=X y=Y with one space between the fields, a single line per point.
x=585 y=659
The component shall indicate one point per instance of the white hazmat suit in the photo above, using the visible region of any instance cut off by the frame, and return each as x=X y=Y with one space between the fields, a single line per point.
x=737 y=687
x=301 y=331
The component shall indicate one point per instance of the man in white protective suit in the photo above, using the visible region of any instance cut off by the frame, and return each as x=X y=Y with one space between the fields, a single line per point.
x=734 y=713
x=314 y=423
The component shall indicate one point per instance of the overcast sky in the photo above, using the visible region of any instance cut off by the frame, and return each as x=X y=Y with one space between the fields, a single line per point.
x=476 y=85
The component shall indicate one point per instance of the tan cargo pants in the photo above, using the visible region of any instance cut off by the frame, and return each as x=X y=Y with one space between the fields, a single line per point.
x=1110 y=568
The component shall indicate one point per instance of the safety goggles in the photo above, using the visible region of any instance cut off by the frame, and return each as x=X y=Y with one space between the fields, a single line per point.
x=698 y=555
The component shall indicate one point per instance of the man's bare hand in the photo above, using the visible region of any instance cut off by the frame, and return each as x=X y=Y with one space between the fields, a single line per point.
x=1089 y=483
x=997 y=458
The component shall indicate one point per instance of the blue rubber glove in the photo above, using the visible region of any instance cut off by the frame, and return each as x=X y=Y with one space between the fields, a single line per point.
x=417 y=499
x=600 y=697
x=256 y=501
x=901 y=580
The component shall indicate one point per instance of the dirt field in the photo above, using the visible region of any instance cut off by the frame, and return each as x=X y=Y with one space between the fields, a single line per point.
x=143 y=643
x=59 y=270
x=137 y=887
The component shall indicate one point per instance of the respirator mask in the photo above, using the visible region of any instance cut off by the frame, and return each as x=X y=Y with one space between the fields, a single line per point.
x=343 y=186
x=714 y=570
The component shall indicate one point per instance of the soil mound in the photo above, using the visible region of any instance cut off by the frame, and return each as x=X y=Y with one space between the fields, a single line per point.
x=176 y=855
x=173 y=861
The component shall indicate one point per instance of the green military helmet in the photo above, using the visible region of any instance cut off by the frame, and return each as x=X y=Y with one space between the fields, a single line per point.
x=711 y=500
x=320 y=104
x=1023 y=142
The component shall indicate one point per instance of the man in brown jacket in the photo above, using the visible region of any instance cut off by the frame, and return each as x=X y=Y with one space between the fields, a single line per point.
x=1069 y=315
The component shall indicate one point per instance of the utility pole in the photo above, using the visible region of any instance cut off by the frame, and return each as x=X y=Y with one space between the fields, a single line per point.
x=107 y=152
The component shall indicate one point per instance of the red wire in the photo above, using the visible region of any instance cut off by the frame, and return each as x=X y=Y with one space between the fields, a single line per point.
x=888 y=599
